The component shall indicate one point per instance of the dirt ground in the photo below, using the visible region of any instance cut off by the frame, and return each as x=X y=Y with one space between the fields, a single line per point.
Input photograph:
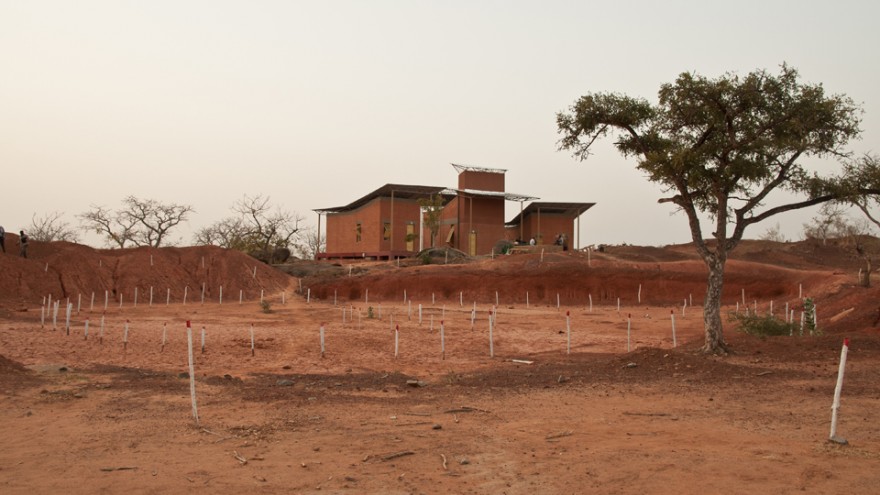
x=96 y=415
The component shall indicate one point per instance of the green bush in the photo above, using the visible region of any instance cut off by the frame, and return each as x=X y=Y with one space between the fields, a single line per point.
x=764 y=326
x=265 y=306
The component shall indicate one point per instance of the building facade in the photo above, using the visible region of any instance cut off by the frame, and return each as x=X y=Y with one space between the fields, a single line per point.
x=390 y=222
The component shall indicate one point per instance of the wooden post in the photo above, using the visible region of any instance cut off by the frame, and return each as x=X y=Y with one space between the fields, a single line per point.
x=321 y=331
x=252 y=339
x=164 y=336
x=672 y=316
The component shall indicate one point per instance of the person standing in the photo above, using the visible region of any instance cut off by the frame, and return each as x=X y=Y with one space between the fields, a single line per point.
x=2 y=238
x=23 y=243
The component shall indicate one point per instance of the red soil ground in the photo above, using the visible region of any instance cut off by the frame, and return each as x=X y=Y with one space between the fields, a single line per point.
x=96 y=416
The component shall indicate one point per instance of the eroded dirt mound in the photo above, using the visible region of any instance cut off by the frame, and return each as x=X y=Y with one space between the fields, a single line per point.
x=65 y=269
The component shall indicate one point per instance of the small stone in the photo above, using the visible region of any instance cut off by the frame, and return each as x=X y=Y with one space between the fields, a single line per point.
x=284 y=382
x=286 y=367
x=62 y=369
x=436 y=427
x=464 y=461
x=415 y=383
x=631 y=365
x=183 y=374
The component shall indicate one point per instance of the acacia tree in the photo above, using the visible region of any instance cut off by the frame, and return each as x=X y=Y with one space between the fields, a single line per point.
x=51 y=227
x=143 y=222
x=720 y=147
x=116 y=228
x=154 y=219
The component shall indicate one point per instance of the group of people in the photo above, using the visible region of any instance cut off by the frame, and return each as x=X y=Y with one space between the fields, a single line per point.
x=561 y=240
x=22 y=241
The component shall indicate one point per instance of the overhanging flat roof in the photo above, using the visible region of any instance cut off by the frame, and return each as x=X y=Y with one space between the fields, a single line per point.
x=572 y=210
x=470 y=168
x=494 y=194
x=409 y=191
x=401 y=191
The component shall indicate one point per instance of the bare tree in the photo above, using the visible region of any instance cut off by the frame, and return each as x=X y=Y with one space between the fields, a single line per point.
x=116 y=228
x=267 y=227
x=229 y=233
x=259 y=228
x=774 y=234
x=313 y=245
x=153 y=219
x=51 y=227
x=827 y=224
x=139 y=222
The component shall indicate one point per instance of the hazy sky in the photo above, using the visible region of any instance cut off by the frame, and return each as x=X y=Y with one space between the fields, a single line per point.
x=317 y=103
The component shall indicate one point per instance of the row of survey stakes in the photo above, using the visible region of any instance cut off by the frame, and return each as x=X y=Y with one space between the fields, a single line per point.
x=833 y=437
x=835 y=407
x=53 y=309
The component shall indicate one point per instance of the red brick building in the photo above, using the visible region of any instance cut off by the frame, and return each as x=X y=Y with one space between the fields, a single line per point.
x=389 y=222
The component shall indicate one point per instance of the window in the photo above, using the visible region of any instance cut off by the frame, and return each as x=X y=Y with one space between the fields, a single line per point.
x=357 y=232
x=386 y=233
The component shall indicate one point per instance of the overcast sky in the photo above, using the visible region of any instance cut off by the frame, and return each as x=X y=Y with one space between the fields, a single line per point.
x=317 y=103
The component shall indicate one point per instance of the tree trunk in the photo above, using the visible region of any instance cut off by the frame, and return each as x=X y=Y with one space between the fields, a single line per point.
x=869 y=268
x=712 y=310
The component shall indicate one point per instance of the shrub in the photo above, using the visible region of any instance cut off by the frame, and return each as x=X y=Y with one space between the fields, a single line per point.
x=266 y=306
x=764 y=326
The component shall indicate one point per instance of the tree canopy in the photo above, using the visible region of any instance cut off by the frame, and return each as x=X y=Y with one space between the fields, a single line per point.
x=259 y=228
x=721 y=146
x=141 y=222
